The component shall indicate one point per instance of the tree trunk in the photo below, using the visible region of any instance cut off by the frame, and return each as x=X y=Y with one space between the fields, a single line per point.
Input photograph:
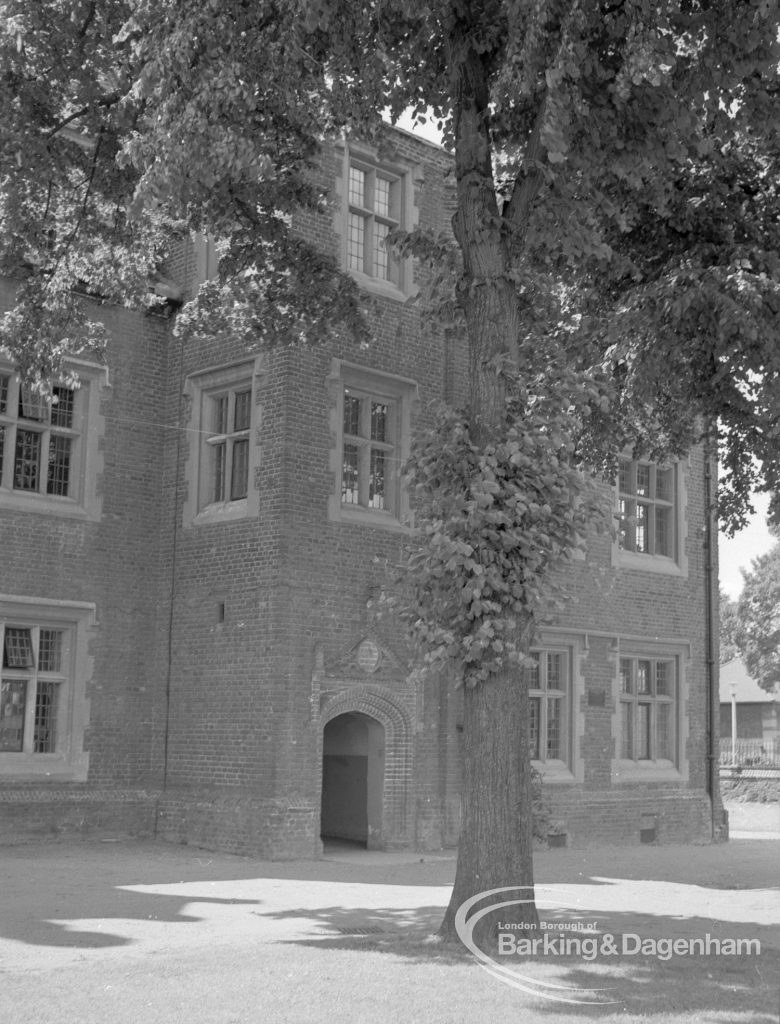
x=496 y=841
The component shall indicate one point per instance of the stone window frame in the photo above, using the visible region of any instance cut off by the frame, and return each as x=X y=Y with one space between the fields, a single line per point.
x=676 y=768
x=200 y=389
x=404 y=216
x=69 y=762
x=90 y=385
x=669 y=565
x=401 y=392
x=560 y=640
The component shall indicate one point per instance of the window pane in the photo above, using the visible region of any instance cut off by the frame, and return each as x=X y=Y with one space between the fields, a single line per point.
x=349 y=475
x=555 y=679
x=641 y=533
x=242 y=410
x=12 y=701
x=18 y=648
x=643 y=676
x=643 y=480
x=27 y=463
x=626 y=675
x=643 y=732
x=32 y=405
x=626 y=730
x=2 y=449
x=626 y=527
x=664 y=731
x=58 y=476
x=554 y=727
x=625 y=477
x=351 y=415
x=663 y=531
x=356 y=235
x=5 y=382
x=382 y=196
x=218 y=478
x=45 y=717
x=219 y=425
x=378 y=421
x=50 y=650
x=534 y=709
x=62 y=407
x=381 y=255
x=357 y=187
x=240 y=470
x=664 y=484
x=663 y=678
x=376 y=480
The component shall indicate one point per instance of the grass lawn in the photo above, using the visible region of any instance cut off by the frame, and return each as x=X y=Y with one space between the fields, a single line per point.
x=150 y=934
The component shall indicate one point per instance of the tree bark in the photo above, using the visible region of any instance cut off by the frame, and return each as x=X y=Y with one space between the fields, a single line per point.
x=496 y=842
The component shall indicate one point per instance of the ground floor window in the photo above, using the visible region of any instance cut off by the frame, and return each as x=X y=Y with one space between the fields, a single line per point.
x=43 y=708
x=648 y=689
x=549 y=685
x=34 y=663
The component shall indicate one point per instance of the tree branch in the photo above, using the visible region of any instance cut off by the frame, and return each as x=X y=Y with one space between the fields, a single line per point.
x=106 y=101
x=517 y=209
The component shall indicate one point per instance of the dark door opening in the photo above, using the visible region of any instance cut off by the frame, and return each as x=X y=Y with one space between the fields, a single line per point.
x=352 y=780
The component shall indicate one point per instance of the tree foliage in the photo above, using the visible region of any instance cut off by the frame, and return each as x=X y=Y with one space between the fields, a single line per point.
x=626 y=152
x=494 y=519
x=757 y=632
x=729 y=648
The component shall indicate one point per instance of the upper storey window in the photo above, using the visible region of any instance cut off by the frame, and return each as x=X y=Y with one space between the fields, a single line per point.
x=370 y=463
x=227 y=476
x=38 y=438
x=647 y=502
x=224 y=453
x=374 y=211
x=371 y=414
x=48 y=445
x=376 y=199
x=651 y=519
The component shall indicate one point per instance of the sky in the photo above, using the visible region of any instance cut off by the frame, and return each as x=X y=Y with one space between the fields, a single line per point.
x=739 y=551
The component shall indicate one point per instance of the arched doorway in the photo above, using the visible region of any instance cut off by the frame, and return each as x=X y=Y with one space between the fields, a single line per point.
x=353 y=770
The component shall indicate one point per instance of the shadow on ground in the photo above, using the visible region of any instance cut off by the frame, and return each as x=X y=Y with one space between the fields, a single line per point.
x=77 y=896
x=581 y=979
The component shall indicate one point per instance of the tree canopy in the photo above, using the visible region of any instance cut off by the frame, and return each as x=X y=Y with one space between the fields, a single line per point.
x=729 y=648
x=625 y=152
x=757 y=625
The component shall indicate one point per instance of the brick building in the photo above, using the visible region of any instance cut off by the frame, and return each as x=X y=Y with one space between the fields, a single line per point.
x=191 y=544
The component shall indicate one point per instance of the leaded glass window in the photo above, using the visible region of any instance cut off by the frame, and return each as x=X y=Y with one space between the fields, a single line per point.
x=548 y=679
x=39 y=437
x=33 y=674
x=647 y=709
x=646 y=508
x=374 y=199
x=368 y=451
x=229 y=414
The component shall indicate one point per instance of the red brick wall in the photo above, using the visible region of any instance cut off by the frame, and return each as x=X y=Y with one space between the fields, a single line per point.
x=236 y=707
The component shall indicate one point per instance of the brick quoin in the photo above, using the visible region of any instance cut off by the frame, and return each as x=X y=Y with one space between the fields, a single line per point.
x=222 y=648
